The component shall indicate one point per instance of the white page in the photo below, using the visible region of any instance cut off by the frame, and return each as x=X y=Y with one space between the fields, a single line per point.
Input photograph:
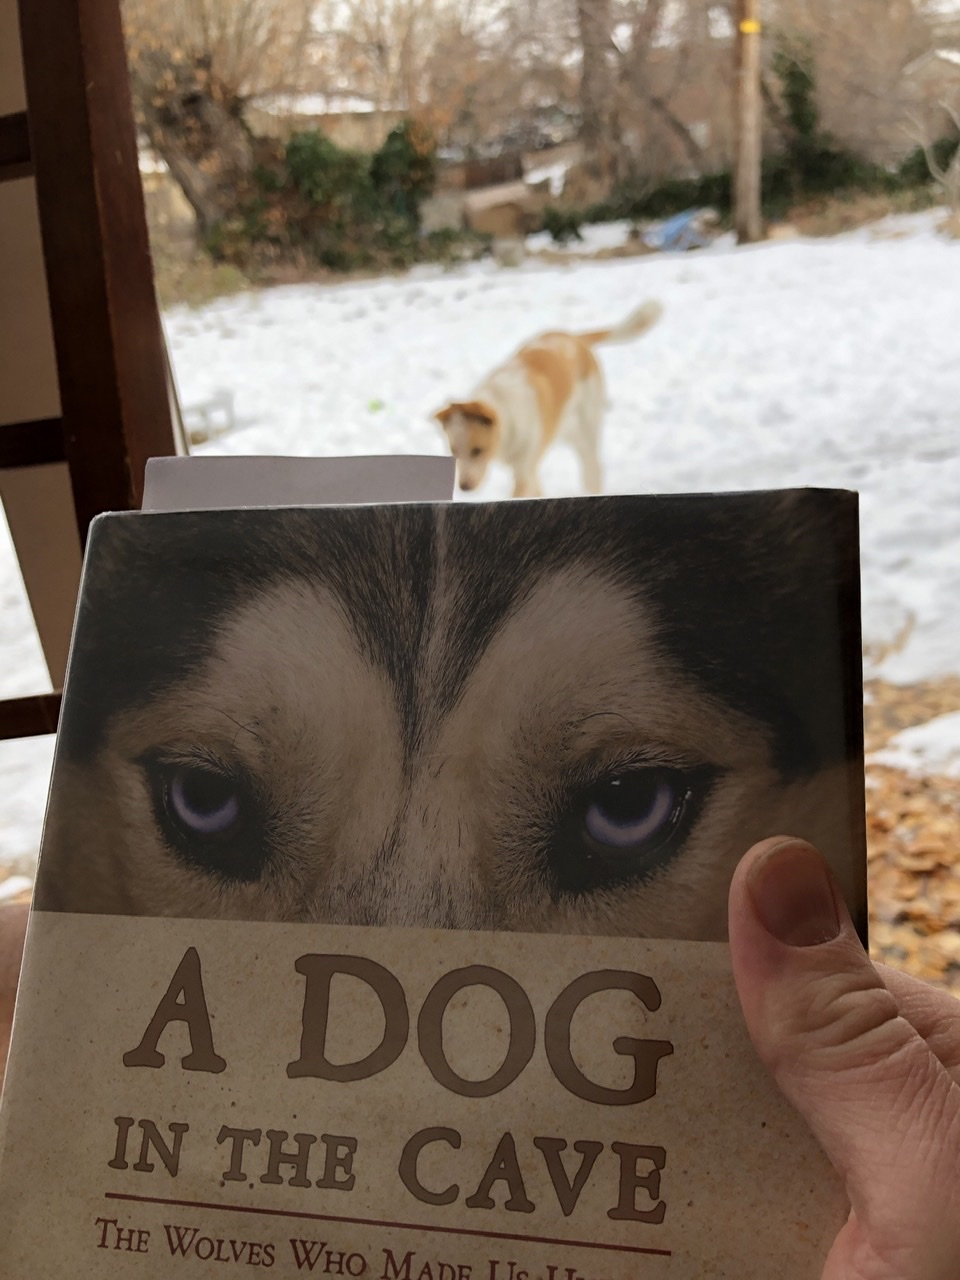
x=207 y=484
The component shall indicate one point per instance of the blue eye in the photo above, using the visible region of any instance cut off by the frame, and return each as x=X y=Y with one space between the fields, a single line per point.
x=624 y=826
x=209 y=816
x=203 y=802
x=629 y=811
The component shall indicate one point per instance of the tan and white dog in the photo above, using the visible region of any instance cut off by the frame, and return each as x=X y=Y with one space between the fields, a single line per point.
x=550 y=391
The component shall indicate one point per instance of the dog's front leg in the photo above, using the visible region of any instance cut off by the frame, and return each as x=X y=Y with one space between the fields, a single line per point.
x=592 y=471
x=526 y=485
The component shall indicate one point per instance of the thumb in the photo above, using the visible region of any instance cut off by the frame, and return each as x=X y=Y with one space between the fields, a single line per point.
x=881 y=1104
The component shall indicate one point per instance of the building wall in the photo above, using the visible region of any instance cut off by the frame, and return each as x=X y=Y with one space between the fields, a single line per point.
x=357 y=131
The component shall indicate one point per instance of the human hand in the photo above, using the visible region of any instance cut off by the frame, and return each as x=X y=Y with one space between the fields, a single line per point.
x=869 y=1056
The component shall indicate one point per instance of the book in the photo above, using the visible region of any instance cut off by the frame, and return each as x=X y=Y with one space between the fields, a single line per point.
x=379 y=921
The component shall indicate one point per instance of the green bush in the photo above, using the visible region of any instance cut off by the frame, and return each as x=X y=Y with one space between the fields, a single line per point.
x=450 y=245
x=357 y=209
x=329 y=175
x=639 y=202
x=342 y=208
x=914 y=171
x=404 y=170
x=813 y=163
x=793 y=67
x=563 y=225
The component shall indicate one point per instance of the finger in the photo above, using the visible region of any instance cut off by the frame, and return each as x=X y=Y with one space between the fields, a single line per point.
x=883 y=1107
x=932 y=1012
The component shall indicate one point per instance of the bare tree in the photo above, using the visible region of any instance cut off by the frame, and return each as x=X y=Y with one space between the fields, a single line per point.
x=376 y=47
x=599 y=126
x=194 y=122
x=676 y=76
x=860 y=48
x=253 y=46
x=946 y=176
x=639 y=84
x=192 y=64
x=469 y=69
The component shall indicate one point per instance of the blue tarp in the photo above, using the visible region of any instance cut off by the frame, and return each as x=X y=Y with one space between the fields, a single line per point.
x=679 y=232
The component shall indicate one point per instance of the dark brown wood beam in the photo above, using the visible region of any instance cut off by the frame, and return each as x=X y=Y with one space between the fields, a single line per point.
x=32 y=444
x=15 y=157
x=106 y=325
x=29 y=717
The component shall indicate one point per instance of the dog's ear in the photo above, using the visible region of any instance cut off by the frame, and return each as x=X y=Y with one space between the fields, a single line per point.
x=478 y=411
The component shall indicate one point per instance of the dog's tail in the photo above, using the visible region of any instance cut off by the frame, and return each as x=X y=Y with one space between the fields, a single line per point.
x=637 y=323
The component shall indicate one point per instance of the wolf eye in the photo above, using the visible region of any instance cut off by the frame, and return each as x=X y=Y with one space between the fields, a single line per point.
x=209 y=817
x=631 y=810
x=476 y=452
x=202 y=802
x=625 y=826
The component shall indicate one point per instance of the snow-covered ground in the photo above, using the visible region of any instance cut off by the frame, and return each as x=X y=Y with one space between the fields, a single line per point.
x=828 y=362
x=933 y=747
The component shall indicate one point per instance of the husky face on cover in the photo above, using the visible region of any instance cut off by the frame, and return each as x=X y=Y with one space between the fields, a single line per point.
x=567 y=717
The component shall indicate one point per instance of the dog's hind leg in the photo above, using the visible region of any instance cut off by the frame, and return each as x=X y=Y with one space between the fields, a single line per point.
x=588 y=450
x=586 y=438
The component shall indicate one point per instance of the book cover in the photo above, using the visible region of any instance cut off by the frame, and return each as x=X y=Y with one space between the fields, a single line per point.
x=378 y=927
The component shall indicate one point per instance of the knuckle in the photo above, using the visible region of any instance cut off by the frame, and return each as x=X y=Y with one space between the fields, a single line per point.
x=842 y=1025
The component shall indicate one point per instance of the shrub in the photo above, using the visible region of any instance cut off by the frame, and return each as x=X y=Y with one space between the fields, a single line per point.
x=404 y=170
x=563 y=225
x=342 y=208
x=359 y=209
x=813 y=163
x=914 y=171
x=329 y=175
x=450 y=245
x=638 y=201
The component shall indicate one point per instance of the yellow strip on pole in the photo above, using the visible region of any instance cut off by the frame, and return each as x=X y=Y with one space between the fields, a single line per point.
x=750 y=27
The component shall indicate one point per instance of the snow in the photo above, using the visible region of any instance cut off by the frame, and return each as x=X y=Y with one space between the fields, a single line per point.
x=933 y=747
x=149 y=162
x=604 y=235
x=317 y=104
x=13 y=886
x=24 y=764
x=555 y=174
x=932 y=55
x=804 y=362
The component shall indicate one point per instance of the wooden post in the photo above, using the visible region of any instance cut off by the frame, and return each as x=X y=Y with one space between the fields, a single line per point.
x=106 y=326
x=746 y=196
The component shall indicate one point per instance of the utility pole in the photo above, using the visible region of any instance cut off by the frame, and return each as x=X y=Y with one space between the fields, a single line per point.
x=746 y=196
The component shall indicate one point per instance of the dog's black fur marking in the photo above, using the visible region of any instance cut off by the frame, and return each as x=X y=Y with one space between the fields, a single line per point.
x=755 y=596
